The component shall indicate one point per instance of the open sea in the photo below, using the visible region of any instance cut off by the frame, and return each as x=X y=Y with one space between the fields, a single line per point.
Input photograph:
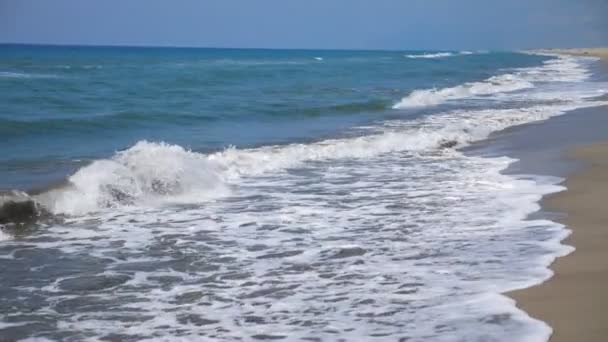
x=245 y=195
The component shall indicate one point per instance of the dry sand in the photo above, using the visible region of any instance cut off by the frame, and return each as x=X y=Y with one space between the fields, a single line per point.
x=575 y=301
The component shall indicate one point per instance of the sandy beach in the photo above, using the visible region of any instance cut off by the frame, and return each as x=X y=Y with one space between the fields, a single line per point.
x=574 y=301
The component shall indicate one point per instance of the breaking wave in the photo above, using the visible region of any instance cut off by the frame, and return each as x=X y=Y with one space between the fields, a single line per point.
x=561 y=69
x=149 y=174
x=431 y=55
x=439 y=55
x=432 y=97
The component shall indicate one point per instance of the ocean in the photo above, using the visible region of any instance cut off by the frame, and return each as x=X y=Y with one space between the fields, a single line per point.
x=242 y=195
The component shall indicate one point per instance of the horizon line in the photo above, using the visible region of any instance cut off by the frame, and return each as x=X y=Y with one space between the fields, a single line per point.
x=145 y=46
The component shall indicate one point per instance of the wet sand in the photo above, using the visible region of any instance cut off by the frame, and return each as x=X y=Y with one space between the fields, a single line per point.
x=574 y=302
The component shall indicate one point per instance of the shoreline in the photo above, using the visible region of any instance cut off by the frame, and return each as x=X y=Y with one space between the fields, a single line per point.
x=573 y=301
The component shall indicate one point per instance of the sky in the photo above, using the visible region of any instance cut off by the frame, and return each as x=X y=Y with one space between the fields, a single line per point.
x=324 y=24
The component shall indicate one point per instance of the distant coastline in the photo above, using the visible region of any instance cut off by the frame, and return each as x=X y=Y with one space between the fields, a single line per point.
x=601 y=52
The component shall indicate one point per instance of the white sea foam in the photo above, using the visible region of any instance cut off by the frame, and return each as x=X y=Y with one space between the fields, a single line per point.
x=141 y=175
x=431 y=55
x=3 y=236
x=432 y=97
x=439 y=55
x=561 y=69
x=413 y=269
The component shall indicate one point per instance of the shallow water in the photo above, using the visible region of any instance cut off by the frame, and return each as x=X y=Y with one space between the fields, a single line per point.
x=344 y=211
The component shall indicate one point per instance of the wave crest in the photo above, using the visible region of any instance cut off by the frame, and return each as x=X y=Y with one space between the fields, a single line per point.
x=144 y=174
x=439 y=55
x=433 y=97
x=431 y=55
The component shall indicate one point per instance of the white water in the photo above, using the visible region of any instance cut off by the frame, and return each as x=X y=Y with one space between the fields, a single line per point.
x=562 y=69
x=439 y=55
x=152 y=174
x=373 y=238
x=432 y=55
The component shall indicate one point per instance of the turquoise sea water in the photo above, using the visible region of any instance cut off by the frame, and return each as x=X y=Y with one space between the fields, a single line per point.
x=244 y=195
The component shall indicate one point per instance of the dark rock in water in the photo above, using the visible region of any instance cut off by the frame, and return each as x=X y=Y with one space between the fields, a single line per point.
x=448 y=143
x=17 y=207
x=18 y=212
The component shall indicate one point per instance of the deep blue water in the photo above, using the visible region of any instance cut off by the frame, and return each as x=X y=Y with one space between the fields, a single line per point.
x=63 y=106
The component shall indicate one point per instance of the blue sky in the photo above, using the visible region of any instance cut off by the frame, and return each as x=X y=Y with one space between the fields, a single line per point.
x=361 y=24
